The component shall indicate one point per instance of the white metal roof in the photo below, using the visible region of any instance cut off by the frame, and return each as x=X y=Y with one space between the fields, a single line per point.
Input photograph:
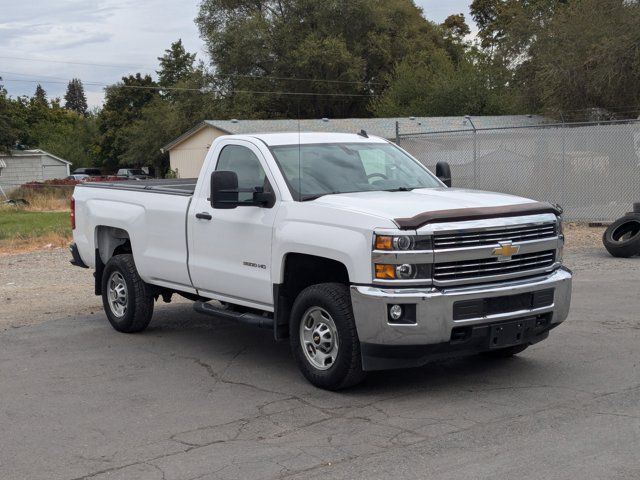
x=36 y=151
x=293 y=138
x=381 y=127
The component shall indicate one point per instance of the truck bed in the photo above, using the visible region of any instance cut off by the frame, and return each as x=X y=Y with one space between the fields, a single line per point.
x=175 y=186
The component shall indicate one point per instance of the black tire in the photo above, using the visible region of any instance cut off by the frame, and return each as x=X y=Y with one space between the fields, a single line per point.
x=443 y=172
x=622 y=237
x=138 y=304
x=506 y=352
x=346 y=370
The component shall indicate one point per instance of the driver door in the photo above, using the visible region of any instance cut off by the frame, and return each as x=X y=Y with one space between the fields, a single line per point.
x=230 y=252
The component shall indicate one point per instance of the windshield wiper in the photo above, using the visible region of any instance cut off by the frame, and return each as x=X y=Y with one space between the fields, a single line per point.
x=400 y=189
x=306 y=198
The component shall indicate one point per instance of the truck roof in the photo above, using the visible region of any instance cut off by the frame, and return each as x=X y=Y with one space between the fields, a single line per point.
x=293 y=138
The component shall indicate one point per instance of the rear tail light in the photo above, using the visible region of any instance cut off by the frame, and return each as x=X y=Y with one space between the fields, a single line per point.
x=73 y=214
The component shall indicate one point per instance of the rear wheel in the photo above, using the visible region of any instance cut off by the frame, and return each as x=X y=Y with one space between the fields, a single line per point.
x=126 y=302
x=323 y=337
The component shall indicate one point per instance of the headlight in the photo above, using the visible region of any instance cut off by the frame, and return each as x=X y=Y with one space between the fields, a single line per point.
x=404 y=271
x=402 y=242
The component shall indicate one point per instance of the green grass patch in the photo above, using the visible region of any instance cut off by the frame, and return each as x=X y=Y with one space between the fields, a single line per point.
x=16 y=224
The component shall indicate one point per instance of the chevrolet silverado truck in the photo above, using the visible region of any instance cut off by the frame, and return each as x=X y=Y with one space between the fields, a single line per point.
x=344 y=244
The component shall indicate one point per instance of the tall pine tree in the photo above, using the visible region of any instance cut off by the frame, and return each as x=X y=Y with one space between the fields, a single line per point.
x=75 y=99
x=40 y=96
x=175 y=65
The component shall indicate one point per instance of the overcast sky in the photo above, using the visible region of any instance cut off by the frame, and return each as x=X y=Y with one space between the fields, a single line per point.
x=107 y=39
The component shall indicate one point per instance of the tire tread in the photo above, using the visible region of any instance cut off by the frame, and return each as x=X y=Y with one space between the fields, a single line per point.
x=142 y=301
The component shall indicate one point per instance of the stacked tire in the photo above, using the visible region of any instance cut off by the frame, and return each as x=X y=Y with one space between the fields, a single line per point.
x=622 y=237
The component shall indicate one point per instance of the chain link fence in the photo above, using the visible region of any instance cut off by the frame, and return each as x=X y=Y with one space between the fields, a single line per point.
x=591 y=169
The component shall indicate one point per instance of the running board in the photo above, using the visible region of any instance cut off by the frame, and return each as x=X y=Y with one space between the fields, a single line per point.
x=246 y=318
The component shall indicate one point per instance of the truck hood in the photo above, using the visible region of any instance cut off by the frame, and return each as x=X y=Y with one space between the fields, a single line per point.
x=394 y=205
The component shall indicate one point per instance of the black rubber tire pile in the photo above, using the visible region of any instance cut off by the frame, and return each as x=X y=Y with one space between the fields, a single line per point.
x=622 y=237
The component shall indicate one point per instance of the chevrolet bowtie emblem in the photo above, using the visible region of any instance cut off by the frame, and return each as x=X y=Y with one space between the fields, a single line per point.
x=505 y=251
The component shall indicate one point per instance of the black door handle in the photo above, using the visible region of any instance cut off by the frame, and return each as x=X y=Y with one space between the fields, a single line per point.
x=204 y=216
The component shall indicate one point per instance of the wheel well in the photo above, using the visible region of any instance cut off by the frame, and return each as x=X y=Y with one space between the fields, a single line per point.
x=109 y=241
x=300 y=272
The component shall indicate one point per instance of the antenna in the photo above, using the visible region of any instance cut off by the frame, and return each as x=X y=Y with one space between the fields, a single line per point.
x=299 y=157
x=363 y=133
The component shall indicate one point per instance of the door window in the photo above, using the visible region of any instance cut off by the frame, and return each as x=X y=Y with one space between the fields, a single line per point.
x=242 y=161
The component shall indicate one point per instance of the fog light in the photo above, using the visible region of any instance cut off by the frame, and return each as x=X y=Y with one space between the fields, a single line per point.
x=395 y=312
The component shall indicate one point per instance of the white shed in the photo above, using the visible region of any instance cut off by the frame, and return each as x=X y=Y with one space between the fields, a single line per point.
x=22 y=166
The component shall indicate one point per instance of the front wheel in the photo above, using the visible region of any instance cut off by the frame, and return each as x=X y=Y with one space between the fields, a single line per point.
x=124 y=296
x=323 y=337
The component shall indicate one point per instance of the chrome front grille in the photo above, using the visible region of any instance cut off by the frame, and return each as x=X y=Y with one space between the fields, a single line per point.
x=468 y=270
x=516 y=233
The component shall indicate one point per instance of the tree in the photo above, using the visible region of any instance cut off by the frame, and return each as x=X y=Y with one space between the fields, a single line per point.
x=327 y=49
x=40 y=96
x=75 y=98
x=436 y=86
x=6 y=134
x=123 y=105
x=176 y=65
x=456 y=27
x=564 y=55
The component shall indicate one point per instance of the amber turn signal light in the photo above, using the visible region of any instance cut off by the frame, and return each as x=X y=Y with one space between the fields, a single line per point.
x=384 y=242
x=385 y=272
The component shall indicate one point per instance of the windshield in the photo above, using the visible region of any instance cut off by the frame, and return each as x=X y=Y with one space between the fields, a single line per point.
x=313 y=170
x=133 y=171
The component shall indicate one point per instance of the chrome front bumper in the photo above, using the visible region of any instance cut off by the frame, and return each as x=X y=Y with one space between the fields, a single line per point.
x=434 y=309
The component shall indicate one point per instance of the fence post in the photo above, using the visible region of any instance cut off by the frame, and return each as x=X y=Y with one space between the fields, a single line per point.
x=397 y=133
x=563 y=180
x=475 y=151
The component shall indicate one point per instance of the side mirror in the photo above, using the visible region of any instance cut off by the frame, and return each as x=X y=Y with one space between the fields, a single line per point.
x=224 y=190
x=443 y=172
x=224 y=193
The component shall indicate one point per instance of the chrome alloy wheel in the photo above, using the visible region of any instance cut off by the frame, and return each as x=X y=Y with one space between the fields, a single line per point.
x=117 y=293
x=319 y=338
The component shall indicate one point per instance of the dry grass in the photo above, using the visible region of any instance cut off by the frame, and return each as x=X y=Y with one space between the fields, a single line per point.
x=45 y=199
x=24 y=245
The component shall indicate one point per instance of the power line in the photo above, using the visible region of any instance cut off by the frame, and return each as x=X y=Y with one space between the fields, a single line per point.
x=219 y=75
x=108 y=65
x=201 y=90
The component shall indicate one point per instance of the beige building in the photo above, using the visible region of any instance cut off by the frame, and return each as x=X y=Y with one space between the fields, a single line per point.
x=187 y=152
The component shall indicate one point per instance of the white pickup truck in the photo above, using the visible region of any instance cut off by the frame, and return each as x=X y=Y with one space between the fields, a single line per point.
x=342 y=243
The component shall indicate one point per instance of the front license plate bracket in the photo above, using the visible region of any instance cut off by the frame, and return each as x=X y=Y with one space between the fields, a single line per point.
x=511 y=333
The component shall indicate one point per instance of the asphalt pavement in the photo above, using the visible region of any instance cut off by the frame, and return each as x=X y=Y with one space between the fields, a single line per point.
x=197 y=398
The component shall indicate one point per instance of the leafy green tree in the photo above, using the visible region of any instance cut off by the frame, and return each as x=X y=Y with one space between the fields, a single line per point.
x=75 y=99
x=578 y=62
x=564 y=55
x=123 y=105
x=435 y=86
x=6 y=136
x=330 y=47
